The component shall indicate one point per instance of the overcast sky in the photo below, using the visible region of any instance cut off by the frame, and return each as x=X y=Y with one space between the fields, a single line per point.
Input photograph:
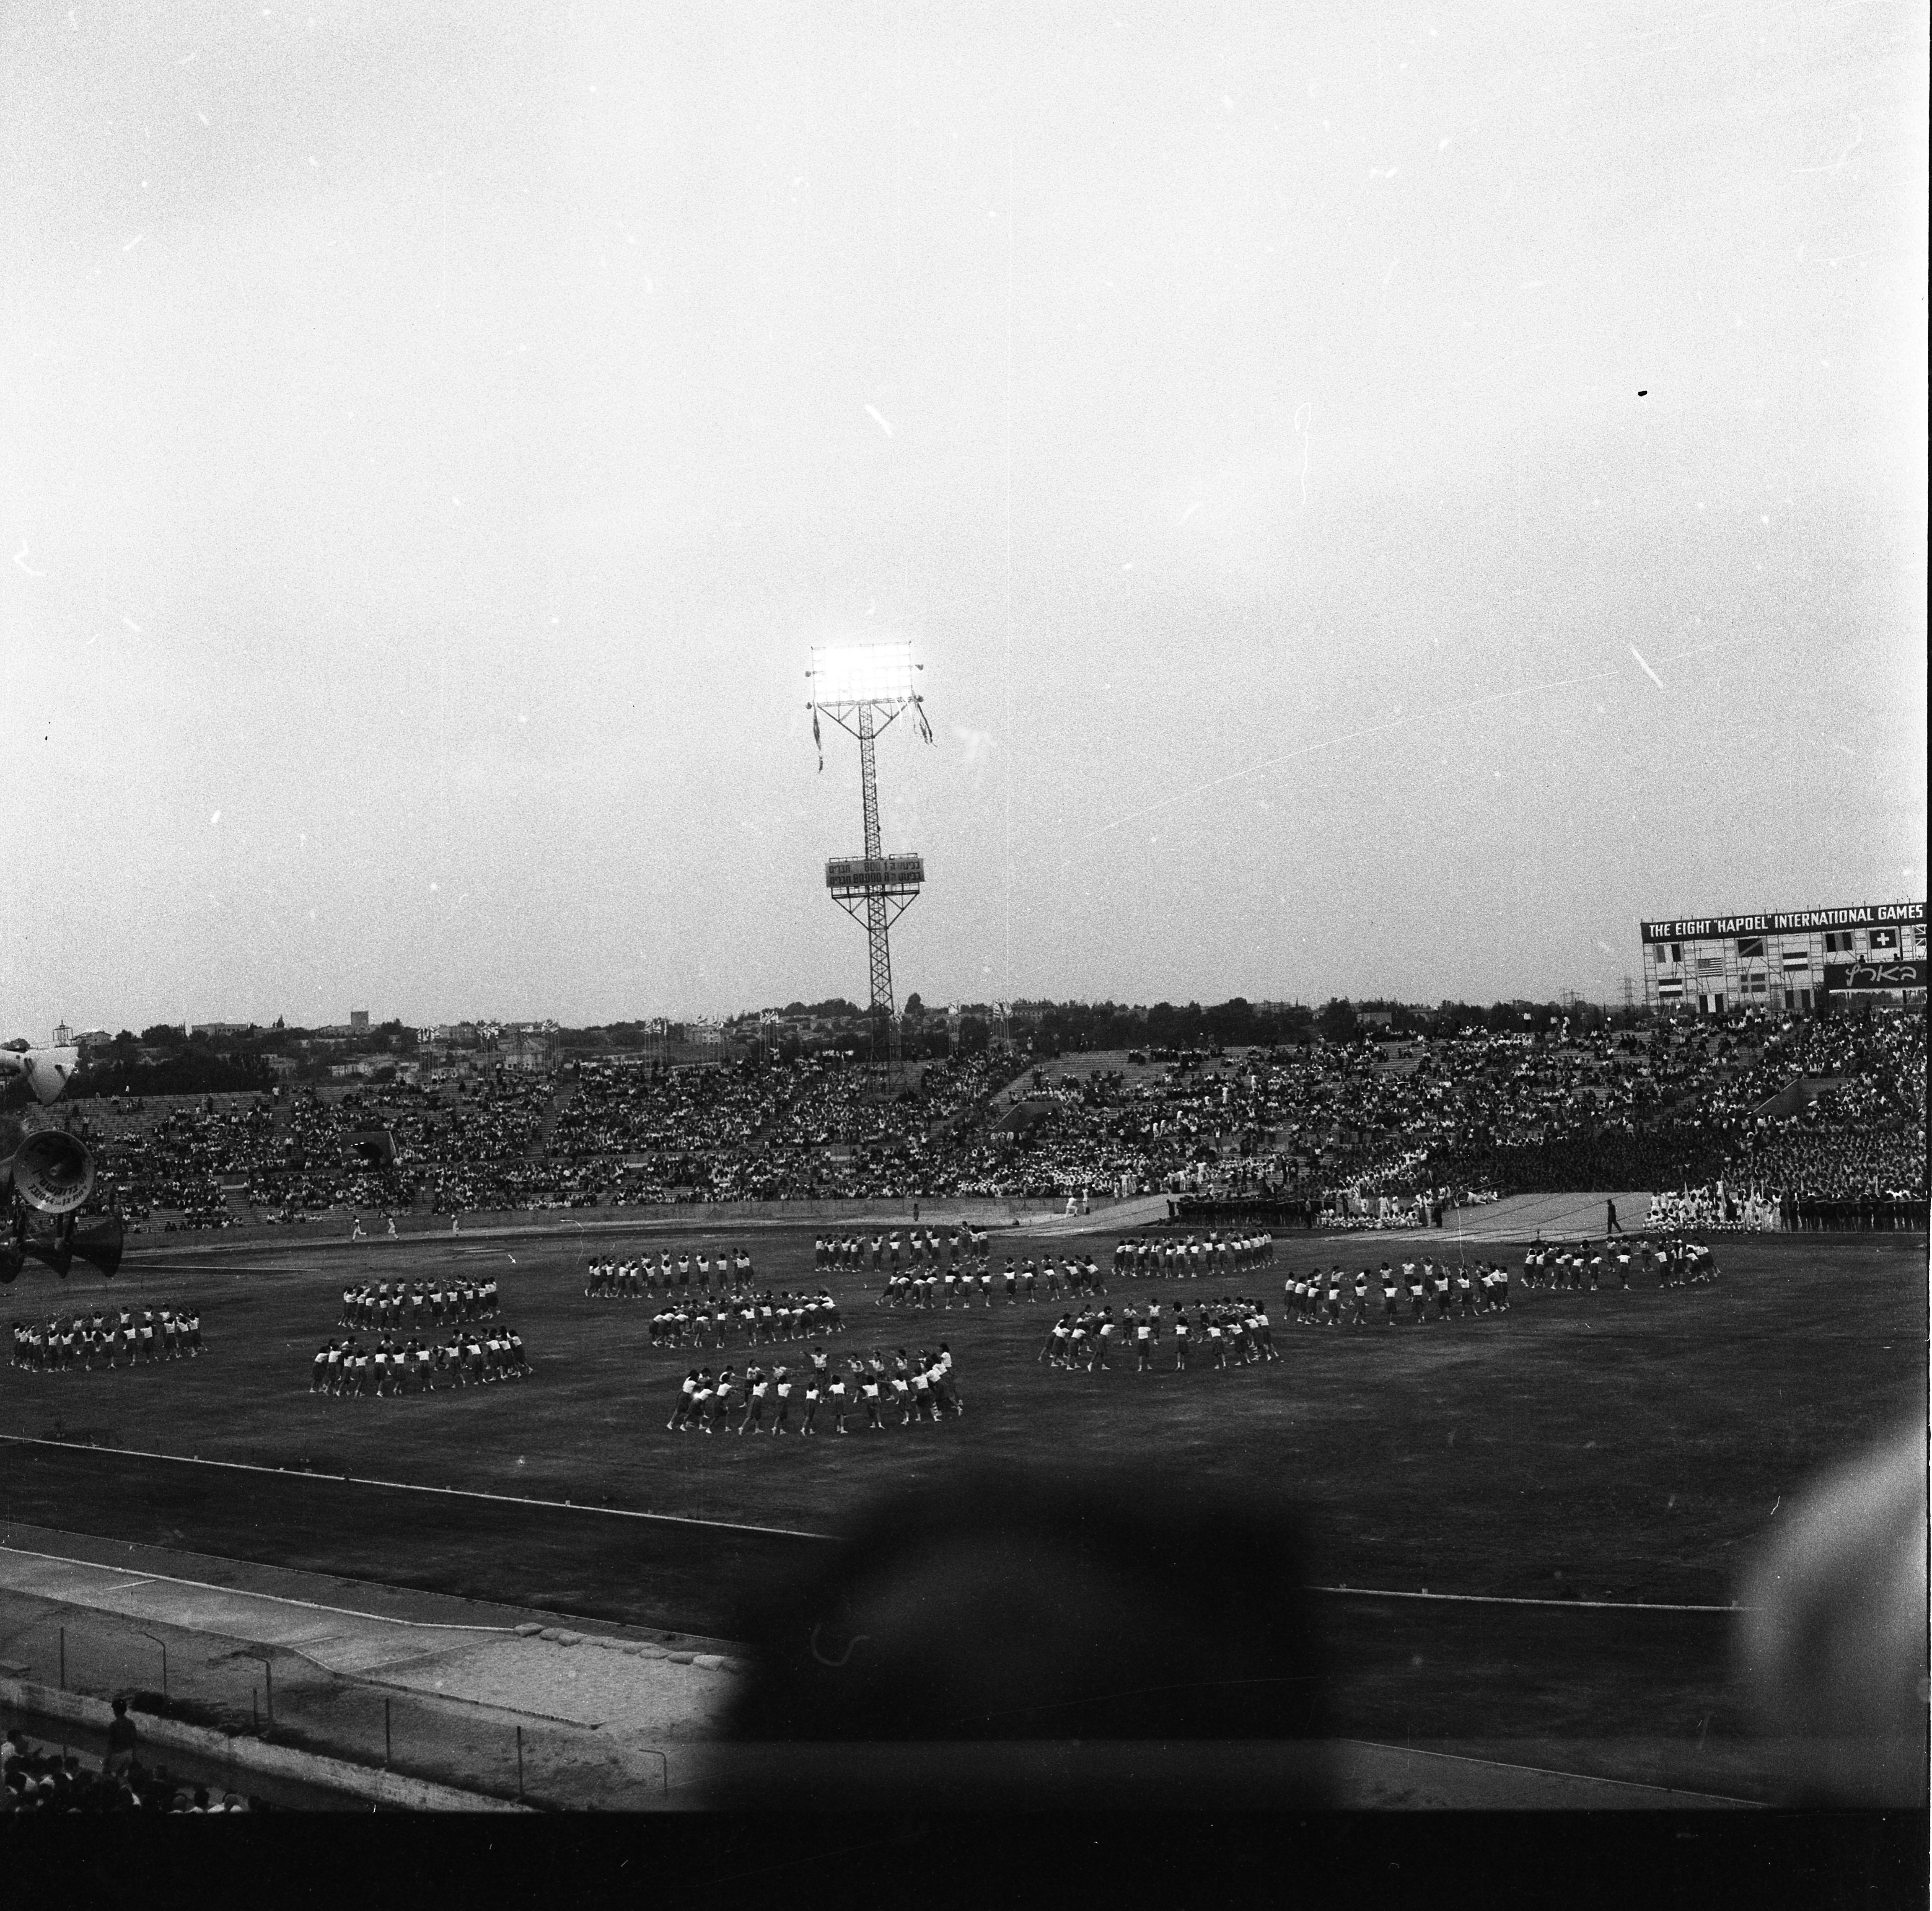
x=1384 y=502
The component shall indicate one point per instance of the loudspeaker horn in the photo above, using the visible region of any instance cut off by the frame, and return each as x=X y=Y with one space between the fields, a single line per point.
x=99 y=1244
x=51 y=1171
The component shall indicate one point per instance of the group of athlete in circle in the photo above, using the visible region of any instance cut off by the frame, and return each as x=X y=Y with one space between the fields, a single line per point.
x=125 y=1339
x=1677 y=1261
x=631 y=1278
x=916 y=1387
x=375 y=1307
x=354 y=1370
x=923 y=1286
x=1337 y=1298
x=399 y=1359
x=764 y=1321
x=963 y=1247
x=1221 y=1333
x=1155 y=1257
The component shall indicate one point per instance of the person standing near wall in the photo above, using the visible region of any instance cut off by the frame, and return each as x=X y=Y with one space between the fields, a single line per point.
x=122 y=1738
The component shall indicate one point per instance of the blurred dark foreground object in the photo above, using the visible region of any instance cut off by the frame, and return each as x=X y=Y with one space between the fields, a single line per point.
x=1006 y=1642
x=1834 y=1650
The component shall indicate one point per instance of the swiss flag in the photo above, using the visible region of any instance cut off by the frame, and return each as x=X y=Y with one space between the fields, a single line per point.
x=1883 y=942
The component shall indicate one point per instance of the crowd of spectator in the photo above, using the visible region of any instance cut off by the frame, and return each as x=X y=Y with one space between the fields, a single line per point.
x=1706 y=1209
x=38 y=1778
x=1744 y=1121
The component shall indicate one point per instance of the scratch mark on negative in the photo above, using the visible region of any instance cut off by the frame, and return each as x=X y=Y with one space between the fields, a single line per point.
x=836 y=1664
x=1645 y=668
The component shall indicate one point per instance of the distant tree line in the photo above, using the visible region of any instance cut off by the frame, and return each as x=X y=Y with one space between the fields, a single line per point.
x=167 y=1059
x=191 y=1071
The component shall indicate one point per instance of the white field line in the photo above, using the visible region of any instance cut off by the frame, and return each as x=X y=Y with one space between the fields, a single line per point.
x=414 y=1486
x=132 y=1267
x=1499 y=1599
x=1551 y=1771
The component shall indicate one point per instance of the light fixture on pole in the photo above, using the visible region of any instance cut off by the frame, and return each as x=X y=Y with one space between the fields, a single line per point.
x=862 y=688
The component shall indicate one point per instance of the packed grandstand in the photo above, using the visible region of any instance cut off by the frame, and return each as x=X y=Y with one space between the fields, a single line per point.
x=1753 y=1121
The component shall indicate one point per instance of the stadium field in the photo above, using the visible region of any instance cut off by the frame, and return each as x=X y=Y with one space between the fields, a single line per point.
x=1593 y=1453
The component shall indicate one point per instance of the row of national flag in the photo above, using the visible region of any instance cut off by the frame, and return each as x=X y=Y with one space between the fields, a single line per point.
x=1883 y=944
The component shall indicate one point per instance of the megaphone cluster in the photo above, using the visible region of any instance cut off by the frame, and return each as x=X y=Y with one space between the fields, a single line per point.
x=43 y=1185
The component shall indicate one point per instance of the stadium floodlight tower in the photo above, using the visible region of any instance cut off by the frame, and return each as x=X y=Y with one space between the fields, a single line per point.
x=861 y=687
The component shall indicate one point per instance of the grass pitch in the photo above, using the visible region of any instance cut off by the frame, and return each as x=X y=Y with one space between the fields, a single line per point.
x=1612 y=1447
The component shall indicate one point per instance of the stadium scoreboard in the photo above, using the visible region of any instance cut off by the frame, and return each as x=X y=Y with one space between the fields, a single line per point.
x=1788 y=960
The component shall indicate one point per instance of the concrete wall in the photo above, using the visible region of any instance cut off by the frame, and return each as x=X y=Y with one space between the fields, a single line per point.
x=47 y=1704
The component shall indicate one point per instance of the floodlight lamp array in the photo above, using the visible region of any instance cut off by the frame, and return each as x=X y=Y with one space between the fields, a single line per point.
x=844 y=674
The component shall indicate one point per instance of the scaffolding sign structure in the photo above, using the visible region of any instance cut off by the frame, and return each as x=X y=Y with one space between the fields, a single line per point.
x=863 y=688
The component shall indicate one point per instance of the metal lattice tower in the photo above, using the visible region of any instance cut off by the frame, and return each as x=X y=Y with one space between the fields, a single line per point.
x=861 y=690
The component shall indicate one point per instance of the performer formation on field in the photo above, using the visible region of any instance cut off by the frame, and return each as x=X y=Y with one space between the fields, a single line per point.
x=378 y=1307
x=1571 y=1268
x=963 y=1252
x=109 y=1338
x=1173 y=1257
x=931 y=1287
x=352 y=1369
x=631 y=1278
x=763 y=1320
x=1421 y=1290
x=1235 y=1332
x=875 y=1390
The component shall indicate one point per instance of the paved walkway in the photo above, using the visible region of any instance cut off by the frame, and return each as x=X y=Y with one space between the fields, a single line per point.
x=292 y=1585
x=1516 y=1217
x=1123 y=1217
x=999 y=1217
x=1522 y=1217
